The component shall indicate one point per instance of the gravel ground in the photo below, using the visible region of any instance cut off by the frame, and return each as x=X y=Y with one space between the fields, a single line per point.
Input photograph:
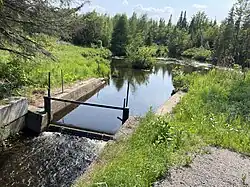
x=219 y=168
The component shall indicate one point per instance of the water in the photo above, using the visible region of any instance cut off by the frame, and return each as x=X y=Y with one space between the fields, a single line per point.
x=50 y=160
x=147 y=90
x=53 y=159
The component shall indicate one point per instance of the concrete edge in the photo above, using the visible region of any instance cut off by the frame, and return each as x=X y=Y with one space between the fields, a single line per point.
x=169 y=105
x=36 y=119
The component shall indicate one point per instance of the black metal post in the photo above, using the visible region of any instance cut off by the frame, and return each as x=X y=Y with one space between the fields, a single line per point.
x=62 y=81
x=47 y=100
x=49 y=79
x=125 y=115
x=127 y=95
x=124 y=103
x=47 y=107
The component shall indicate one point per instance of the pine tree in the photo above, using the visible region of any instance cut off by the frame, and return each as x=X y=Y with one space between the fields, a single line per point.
x=149 y=39
x=215 y=22
x=184 y=23
x=120 y=37
x=170 y=21
x=179 y=23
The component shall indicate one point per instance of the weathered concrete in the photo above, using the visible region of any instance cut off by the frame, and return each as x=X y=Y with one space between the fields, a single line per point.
x=127 y=128
x=80 y=92
x=37 y=119
x=170 y=104
x=12 y=116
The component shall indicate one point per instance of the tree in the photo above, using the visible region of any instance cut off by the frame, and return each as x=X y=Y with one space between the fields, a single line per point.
x=184 y=23
x=120 y=37
x=90 y=30
x=179 y=23
x=225 y=45
x=170 y=21
x=19 y=19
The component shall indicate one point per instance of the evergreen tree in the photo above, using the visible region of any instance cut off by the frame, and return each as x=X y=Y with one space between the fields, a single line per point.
x=170 y=21
x=120 y=37
x=179 y=23
x=184 y=23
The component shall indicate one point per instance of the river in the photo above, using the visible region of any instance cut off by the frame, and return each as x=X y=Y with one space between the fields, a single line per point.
x=54 y=159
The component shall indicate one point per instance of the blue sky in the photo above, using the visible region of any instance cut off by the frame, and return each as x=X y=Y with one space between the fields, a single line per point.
x=162 y=8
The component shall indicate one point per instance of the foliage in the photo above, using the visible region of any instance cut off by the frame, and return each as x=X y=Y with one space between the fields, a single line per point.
x=201 y=53
x=91 y=28
x=142 y=58
x=162 y=51
x=120 y=36
x=230 y=39
x=214 y=112
x=77 y=63
x=20 y=19
x=91 y=53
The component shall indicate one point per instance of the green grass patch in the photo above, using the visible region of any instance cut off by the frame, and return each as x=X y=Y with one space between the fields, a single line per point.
x=214 y=112
x=21 y=77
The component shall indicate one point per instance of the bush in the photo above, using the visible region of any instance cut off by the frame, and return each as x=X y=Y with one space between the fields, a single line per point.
x=200 y=54
x=142 y=58
x=162 y=51
x=96 y=52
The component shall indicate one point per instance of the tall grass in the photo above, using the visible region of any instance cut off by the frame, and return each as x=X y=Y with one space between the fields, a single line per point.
x=77 y=63
x=214 y=112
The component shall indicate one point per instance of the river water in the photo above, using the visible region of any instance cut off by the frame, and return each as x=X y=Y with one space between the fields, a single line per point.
x=147 y=90
x=56 y=160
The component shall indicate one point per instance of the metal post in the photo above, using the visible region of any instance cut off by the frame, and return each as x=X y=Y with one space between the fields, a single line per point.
x=47 y=100
x=125 y=115
x=124 y=103
x=47 y=107
x=62 y=81
x=49 y=94
x=127 y=95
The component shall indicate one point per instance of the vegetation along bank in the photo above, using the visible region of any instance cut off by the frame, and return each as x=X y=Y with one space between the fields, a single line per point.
x=213 y=112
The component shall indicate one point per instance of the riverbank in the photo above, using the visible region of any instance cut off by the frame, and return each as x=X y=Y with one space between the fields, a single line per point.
x=117 y=154
x=50 y=153
x=29 y=77
x=214 y=112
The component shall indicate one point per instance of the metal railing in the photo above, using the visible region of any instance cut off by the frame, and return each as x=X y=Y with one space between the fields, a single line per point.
x=48 y=103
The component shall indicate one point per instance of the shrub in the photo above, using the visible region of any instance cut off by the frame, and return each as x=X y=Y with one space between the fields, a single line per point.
x=142 y=58
x=200 y=54
x=162 y=51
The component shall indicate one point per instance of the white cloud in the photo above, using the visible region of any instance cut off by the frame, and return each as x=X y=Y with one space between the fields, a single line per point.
x=198 y=6
x=155 y=13
x=125 y=2
x=152 y=10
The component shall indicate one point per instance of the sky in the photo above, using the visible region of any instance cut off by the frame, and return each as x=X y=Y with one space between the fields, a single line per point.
x=162 y=8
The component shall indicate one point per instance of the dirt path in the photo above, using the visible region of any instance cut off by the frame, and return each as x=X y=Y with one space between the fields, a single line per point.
x=219 y=168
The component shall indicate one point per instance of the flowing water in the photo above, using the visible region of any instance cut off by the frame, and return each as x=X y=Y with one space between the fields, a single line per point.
x=54 y=159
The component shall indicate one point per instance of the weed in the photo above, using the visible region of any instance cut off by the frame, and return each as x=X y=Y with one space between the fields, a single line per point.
x=18 y=76
x=213 y=112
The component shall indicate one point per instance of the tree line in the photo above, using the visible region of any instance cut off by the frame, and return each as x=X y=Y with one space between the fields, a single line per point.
x=201 y=38
x=227 y=42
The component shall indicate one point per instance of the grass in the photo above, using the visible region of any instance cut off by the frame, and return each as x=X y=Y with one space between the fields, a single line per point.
x=214 y=112
x=22 y=77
